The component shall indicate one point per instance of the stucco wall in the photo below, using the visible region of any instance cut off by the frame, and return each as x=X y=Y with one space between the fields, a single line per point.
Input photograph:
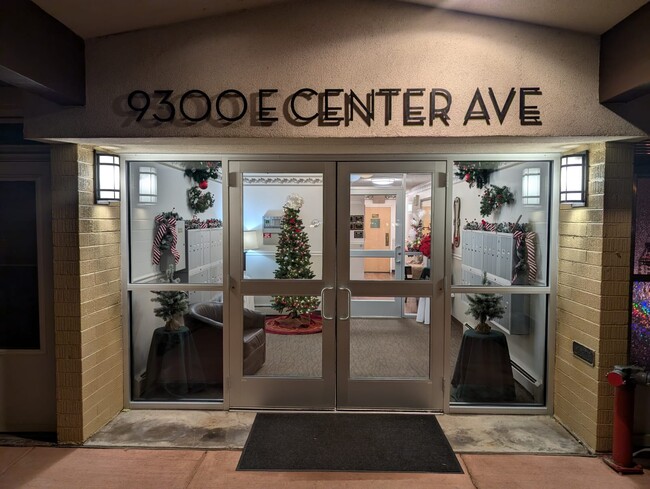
x=359 y=45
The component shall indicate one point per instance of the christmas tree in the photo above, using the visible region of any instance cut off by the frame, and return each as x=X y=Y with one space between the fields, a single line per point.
x=485 y=307
x=294 y=259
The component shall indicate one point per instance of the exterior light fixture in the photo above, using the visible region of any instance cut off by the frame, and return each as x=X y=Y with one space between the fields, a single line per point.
x=573 y=179
x=107 y=178
x=148 y=185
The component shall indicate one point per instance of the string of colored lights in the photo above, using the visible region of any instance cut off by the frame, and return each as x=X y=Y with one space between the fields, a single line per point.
x=640 y=327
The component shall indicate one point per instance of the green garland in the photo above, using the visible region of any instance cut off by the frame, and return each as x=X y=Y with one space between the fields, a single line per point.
x=199 y=201
x=205 y=170
x=495 y=197
x=499 y=227
x=470 y=173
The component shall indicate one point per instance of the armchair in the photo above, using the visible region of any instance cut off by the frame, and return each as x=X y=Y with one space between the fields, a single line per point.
x=205 y=322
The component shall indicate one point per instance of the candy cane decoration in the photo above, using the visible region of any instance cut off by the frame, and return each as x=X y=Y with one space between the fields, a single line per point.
x=530 y=251
x=165 y=227
x=528 y=240
x=489 y=226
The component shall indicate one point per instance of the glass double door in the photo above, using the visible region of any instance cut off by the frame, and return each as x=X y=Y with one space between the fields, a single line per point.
x=332 y=306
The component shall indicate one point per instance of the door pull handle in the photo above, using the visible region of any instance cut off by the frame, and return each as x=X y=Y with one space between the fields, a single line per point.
x=349 y=303
x=322 y=303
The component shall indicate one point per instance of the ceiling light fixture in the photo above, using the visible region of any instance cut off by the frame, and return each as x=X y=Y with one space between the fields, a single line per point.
x=382 y=181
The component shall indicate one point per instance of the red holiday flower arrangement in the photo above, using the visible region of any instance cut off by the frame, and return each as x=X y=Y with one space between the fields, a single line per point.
x=425 y=246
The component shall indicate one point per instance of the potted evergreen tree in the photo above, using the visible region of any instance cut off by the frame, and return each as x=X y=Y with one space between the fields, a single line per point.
x=485 y=307
x=173 y=304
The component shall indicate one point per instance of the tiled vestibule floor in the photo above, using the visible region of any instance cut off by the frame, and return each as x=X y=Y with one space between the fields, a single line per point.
x=518 y=452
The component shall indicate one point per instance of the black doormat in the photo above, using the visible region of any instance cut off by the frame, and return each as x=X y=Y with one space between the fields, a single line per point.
x=348 y=442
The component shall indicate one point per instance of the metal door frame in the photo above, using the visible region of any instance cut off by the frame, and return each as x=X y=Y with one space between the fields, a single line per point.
x=282 y=392
x=381 y=393
x=333 y=390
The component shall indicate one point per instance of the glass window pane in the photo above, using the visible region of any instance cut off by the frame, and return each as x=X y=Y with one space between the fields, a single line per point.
x=177 y=358
x=286 y=213
x=505 y=365
x=498 y=235
x=168 y=233
x=20 y=327
x=640 y=327
x=390 y=217
x=291 y=346
x=642 y=228
x=385 y=344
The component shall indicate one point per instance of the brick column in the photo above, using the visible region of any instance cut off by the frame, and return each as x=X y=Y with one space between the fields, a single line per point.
x=87 y=282
x=593 y=293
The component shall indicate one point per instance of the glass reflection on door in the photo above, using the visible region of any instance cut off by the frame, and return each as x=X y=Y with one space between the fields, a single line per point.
x=390 y=215
x=273 y=203
x=282 y=239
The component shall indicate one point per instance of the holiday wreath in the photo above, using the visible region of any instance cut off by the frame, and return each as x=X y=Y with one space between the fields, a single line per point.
x=199 y=201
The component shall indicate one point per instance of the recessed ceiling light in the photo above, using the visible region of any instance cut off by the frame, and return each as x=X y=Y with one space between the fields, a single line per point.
x=382 y=181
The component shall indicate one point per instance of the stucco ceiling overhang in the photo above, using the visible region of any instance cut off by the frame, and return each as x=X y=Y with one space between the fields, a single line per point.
x=382 y=147
x=91 y=19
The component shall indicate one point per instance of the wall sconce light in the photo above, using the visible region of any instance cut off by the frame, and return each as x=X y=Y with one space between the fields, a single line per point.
x=147 y=185
x=531 y=186
x=107 y=178
x=573 y=179
x=250 y=243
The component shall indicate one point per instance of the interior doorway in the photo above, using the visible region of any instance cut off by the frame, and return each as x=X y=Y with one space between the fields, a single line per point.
x=344 y=338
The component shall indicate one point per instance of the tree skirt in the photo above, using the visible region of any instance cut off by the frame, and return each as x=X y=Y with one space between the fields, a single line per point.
x=284 y=325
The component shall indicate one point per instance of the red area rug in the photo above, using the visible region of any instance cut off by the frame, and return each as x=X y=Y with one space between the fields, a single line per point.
x=277 y=325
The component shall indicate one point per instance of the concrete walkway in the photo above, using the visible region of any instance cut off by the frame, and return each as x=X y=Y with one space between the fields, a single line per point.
x=211 y=430
x=168 y=449
x=117 y=468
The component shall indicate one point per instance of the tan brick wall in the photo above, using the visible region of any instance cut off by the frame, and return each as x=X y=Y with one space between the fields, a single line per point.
x=592 y=297
x=87 y=282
